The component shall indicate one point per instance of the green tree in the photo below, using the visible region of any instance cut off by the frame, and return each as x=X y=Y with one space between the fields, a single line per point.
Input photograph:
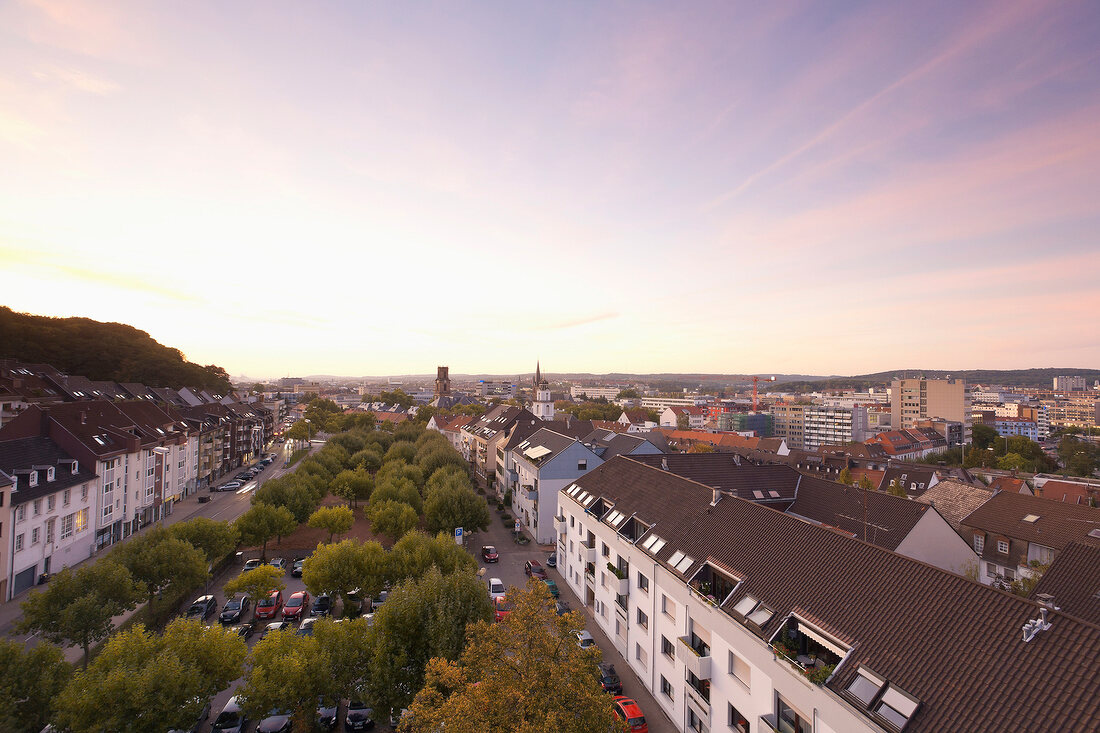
x=30 y=678
x=369 y=459
x=1010 y=461
x=451 y=506
x=262 y=522
x=416 y=553
x=336 y=519
x=440 y=456
x=294 y=492
x=628 y=394
x=845 y=476
x=257 y=583
x=347 y=566
x=865 y=483
x=215 y=539
x=1079 y=456
x=77 y=606
x=682 y=421
x=491 y=686
x=421 y=619
x=353 y=486
x=299 y=431
x=143 y=681
x=401 y=450
x=983 y=436
x=392 y=518
x=896 y=488
x=402 y=490
x=1025 y=583
x=397 y=469
x=159 y=561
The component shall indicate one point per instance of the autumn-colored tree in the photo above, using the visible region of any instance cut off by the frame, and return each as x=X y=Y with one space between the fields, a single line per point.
x=336 y=519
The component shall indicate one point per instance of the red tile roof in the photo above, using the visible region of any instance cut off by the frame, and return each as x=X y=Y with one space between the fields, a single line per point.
x=1070 y=492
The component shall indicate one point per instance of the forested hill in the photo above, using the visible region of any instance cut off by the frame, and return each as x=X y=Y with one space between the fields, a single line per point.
x=102 y=351
x=1007 y=377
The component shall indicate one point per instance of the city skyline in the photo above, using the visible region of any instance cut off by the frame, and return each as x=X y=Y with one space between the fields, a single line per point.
x=716 y=188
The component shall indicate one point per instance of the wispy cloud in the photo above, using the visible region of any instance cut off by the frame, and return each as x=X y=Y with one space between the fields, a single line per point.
x=79 y=80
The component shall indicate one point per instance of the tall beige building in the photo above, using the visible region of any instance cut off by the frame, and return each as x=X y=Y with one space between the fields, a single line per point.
x=790 y=424
x=922 y=399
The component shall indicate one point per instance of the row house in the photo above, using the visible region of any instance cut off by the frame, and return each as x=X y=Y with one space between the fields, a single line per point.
x=1015 y=533
x=546 y=462
x=910 y=443
x=451 y=429
x=47 y=512
x=522 y=429
x=694 y=417
x=737 y=617
x=481 y=437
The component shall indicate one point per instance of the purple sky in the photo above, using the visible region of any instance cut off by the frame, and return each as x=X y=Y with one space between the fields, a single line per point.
x=726 y=187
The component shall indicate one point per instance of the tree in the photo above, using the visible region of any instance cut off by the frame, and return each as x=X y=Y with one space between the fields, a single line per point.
x=896 y=488
x=346 y=566
x=1025 y=583
x=257 y=583
x=845 y=476
x=400 y=489
x=440 y=456
x=353 y=486
x=392 y=518
x=420 y=620
x=865 y=483
x=158 y=561
x=143 y=681
x=983 y=436
x=416 y=553
x=1010 y=461
x=454 y=505
x=30 y=678
x=369 y=459
x=628 y=394
x=215 y=539
x=336 y=519
x=682 y=421
x=700 y=447
x=78 y=605
x=294 y=491
x=401 y=450
x=491 y=686
x=299 y=431
x=262 y=522
x=1079 y=456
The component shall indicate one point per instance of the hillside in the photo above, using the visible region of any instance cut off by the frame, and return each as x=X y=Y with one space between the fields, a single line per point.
x=102 y=351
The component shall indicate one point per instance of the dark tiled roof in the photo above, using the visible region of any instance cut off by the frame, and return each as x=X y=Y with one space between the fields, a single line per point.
x=954 y=644
x=544 y=438
x=1074 y=581
x=25 y=453
x=1070 y=492
x=915 y=481
x=889 y=519
x=1057 y=525
x=721 y=471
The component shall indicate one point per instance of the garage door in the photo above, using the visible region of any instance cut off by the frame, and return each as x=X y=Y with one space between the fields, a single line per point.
x=24 y=580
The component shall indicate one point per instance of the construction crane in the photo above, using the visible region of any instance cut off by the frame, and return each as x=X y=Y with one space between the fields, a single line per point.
x=754 y=381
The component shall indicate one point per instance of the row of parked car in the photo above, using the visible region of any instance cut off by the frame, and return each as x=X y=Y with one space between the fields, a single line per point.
x=357 y=716
x=247 y=475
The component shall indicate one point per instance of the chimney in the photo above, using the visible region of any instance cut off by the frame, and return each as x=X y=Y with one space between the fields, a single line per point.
x=715 y=496
x=664 y=464
x=83 y=417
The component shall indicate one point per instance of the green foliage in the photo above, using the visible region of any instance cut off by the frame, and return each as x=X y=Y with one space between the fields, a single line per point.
x=215 y=539
x=896 y=489
x=393 y=470
x=257 y=583
x=401 y=450
x=845 y=476
x=102 y=351
x=983 y=436
x=144 y=682
x=416 y=553
x=30 y=677
x=336 y=519
x=353 y=486
x=391 y=518
x=159 y=561
x=77 y=606
x=628 y=394
x=346 y=566
x=293 y=492
x=865 y=483
x=369 y=459
x=440 y=456
x=397 y=397
x=454 y=504
x=420 y=620
x=1081 y=457
x=400 y=489
x=262 y=522
x=591 y=410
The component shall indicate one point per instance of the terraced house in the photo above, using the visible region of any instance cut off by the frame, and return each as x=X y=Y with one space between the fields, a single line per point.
x=739 y=617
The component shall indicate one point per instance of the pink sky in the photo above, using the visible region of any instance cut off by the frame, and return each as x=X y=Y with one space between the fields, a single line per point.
x=831 y=188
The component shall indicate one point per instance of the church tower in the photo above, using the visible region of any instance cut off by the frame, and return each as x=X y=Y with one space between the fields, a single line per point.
x=442 y=381
x=543 y=406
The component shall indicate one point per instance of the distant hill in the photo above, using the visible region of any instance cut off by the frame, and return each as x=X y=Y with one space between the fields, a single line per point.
x=1007 y=377
x=102 y=351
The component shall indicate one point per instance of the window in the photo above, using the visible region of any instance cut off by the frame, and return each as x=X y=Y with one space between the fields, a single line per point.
x=34 y=535
x=990 y=569
x=18 y=542
x=606 y=550
x=666 y=688
x=67 y=526
x=640 y=655
x=107 y=510
x=21 y=512
x=1044 y=555
x=1010 y=574
x=896 y=707
x=740 y=669
x=737 y=721
x=643 y=620
x=666 y=647
x=979 y=543
x=108 y=487
x=790 y=720
x=865 y=686
x=643 y=583
x=1002 y=546
x=66 y=496
x=37 y=507
x=582 y=465
x=51 y=502
x=81 y=520
x=572 y=520
x=668 y=607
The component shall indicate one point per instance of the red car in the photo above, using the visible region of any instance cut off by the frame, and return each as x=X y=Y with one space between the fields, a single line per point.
x=269 y=607
x=502 y=608
x=631 y=714
x=534 y=569
x=489 y=553
x=295 y=604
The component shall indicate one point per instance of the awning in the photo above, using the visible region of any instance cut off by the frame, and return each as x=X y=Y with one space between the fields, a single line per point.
x=821 y=639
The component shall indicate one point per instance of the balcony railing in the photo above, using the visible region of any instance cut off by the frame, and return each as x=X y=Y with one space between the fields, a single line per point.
x=696 y=660
x=561 y=524
x=589 y=552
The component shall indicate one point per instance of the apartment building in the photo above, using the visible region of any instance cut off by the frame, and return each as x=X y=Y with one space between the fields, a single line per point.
x=1076 y=411
x=759 y=423
x=1011 y=426
x=579 y=391
x=660 y=403
x=739 y=617
x=694 y=417
x=789 y=424
x=916 y=399
x=546 y=462
x=1070 y=384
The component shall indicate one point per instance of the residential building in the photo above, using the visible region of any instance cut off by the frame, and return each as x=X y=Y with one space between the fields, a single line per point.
x=1070 y=491
x=951 y=430
x=739 y=617
x=660 y=403
x=1071 y=584
x=1083 y=412
x=579 y=391
x=790 y=424
x=694 y=417
x=915 y=481
x=822 y=425
x=7 y=486
x=955 y=500
x=760 y=423
x=1014 y=532
x=546 y=463
x=916 y=399
x=909 y=444
x=1011 y=426
x=1070 y=384
x=481 y=436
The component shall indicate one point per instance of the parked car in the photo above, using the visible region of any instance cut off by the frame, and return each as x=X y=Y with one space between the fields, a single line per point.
x=234 y=609
x=270 y=606
x=551 y=586
x=377 y=602
x=322 y=605
x=204 y=713
x=306 y=627
x=231 y=486
x=552 y=561
x=328 y=712
x=278 y=563
x=244 y=630
x=276 y=626
x=359 y=716
x=609 y=678
x=630 y=712
x=534 y=569
x=231 y=719
x=501 y=608
x=489 y=554
x=295 y=605
x=585 y=640
x=561 y=608
x=296 y=568
x=496 y=588
x=202 y=607
x=253 y=563
x=277 y=721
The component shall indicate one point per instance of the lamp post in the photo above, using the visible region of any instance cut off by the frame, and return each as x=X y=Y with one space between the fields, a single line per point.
x=309 y=432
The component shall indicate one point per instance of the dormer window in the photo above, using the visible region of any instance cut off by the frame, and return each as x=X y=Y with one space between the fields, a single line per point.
x=896 y=707
x=1002 y=547
x=49 y=474
x=979 y=543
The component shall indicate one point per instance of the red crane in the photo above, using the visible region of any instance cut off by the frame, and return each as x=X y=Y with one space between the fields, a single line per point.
x=754 y=381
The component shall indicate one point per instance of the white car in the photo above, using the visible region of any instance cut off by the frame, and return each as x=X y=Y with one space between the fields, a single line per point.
x=585 y=640
x=496 y=589
x=231 y=486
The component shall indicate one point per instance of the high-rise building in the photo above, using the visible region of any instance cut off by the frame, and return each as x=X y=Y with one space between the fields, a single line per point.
x=789 y=424
x=1070 y=384
x=918 y=399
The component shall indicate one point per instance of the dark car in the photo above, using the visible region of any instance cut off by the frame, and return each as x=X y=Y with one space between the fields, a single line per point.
x=358 y=717
x=353 y=605
x=306 y=627
x=276 y=626
x=489 y=554
x=252 y=564
x=534 y=569
x=552 y=561
x=561 y=608
x=328 y=712
x=609 y=679
x=322 y=605
x=243 y=630
x=231 y=719
x=277 y=721
x=235 y=608
x=202 y=607
x=296 y=568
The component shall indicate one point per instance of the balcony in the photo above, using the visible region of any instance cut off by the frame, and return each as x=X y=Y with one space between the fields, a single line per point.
x=590 y=577
x=561 y=524
x=588 y=554
x=698 y=697
x=621 y=581
x=806 y=656
x=696 y=658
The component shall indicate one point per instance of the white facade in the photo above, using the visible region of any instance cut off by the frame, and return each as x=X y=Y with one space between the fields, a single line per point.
x=608 y=393
x=535 y=498
x=660 y=403
x=543 y=406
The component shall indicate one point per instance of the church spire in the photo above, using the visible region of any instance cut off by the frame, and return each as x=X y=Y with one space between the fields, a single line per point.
x=538 y=374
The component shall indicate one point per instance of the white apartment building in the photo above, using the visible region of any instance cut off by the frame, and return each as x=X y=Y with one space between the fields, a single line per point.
x=660 y=403
x=578 y=391
x=545 y=463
